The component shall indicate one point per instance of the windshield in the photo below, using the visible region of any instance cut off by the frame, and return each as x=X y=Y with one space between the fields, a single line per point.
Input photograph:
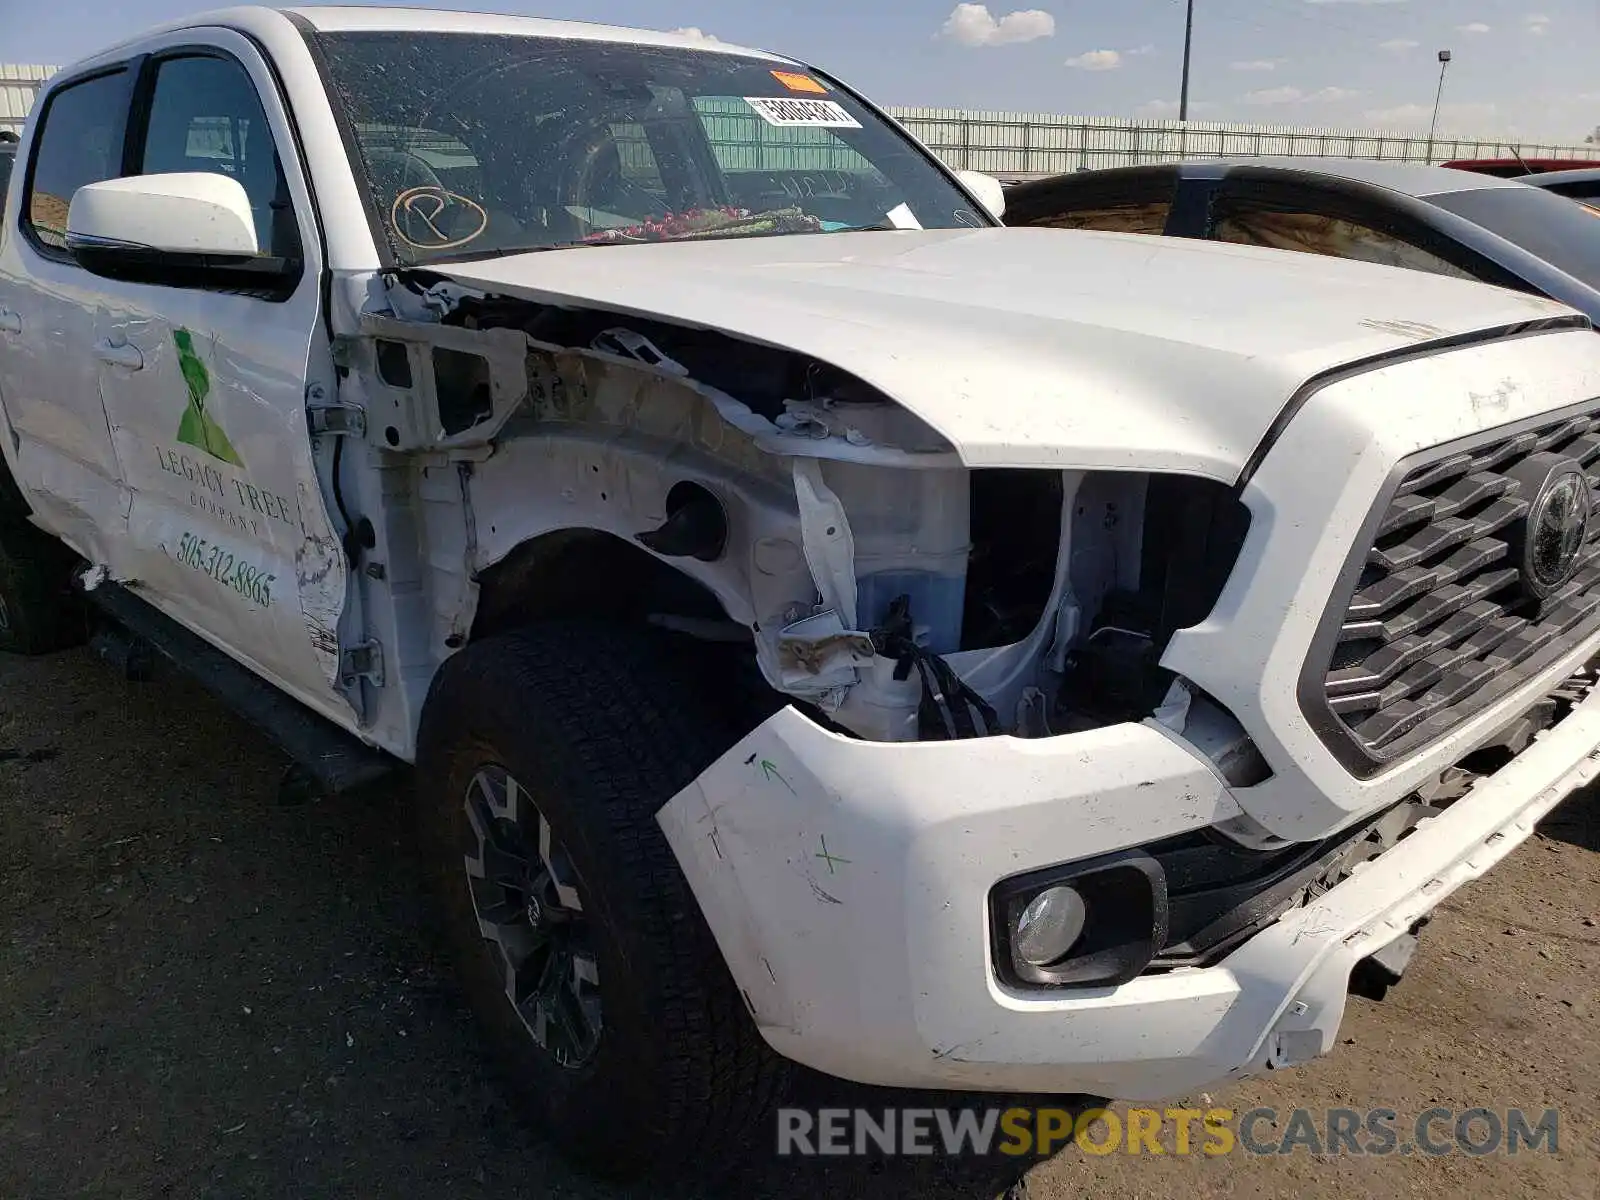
x=1551 y=227
x=472 y=144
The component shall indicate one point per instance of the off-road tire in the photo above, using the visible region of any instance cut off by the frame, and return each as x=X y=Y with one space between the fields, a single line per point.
x=38 y=611
x=602 y=724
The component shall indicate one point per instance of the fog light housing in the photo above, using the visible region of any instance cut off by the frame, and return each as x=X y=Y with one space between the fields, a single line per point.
x=1050 y=924
x=1095 y=923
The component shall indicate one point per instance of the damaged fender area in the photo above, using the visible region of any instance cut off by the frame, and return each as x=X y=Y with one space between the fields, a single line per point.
x=876 y=577
x=879 y=581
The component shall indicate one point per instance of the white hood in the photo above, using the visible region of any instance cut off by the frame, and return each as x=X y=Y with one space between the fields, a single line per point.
x=1037 y=347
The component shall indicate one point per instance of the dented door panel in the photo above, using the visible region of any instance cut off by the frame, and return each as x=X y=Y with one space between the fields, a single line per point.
x=227 y=525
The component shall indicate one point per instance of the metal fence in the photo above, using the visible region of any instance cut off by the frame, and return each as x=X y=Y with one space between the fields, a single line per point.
x=1025 y=145
x=1014 y=145
x=19 y=83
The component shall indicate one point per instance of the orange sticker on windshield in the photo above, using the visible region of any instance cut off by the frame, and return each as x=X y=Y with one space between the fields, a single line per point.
x=799 y=83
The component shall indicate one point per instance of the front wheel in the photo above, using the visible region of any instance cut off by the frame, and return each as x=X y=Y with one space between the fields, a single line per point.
x=543 y=758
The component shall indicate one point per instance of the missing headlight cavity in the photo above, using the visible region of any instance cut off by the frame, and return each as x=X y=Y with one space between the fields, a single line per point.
x=1016 y=537
x=1150 y=556
x=462 y=384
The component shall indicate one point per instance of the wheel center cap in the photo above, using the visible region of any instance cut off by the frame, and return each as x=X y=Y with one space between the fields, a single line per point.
x=535 y=909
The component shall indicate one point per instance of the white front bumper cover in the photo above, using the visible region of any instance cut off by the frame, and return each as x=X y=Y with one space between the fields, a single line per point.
x=847 y=882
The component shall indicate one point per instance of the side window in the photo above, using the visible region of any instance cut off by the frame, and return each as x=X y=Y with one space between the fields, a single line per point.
x=1147 y=217
x=205 y=116
x=1325 y=233
x=79 y=142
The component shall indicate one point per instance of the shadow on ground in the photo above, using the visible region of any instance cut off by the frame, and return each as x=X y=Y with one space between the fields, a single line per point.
x=208 y=992
x=1577 y=821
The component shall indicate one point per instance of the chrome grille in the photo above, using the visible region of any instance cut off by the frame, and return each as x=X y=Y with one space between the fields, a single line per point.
x=1441 y=623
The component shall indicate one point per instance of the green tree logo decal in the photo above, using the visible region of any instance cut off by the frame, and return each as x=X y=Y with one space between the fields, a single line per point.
x=197 y=428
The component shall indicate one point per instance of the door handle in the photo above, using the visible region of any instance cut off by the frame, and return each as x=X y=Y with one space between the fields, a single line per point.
x=10 y=322
x=122 y=355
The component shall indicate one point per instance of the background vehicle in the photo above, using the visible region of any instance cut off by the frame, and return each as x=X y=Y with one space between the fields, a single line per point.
x=1514 y=168
x=827 y=626
x=1499 y=231
x=1576 y=185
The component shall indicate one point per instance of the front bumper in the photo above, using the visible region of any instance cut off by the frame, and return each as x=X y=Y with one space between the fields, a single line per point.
x=846 y=883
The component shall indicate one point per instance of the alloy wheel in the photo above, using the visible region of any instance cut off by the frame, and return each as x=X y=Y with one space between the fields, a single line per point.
x=526 y=894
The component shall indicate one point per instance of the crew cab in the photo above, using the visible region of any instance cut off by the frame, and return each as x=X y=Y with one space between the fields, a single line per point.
x=827 y=626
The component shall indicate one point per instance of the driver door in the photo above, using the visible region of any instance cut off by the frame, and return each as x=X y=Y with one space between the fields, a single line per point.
x=205 y=393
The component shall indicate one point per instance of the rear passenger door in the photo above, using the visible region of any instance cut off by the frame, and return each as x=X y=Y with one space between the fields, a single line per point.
x=62 y=452
x=227 y=529
x=1326 y=221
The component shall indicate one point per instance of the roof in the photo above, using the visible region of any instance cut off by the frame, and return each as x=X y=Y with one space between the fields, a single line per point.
x=255 y=19
x=1411 y=179
x=352 y=19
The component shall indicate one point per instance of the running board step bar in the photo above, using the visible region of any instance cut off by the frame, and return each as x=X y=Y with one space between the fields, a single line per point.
x=337 y=761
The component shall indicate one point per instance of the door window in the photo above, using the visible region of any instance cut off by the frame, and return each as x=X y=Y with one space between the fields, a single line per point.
x=1149 y=217
x=1326 y=233
x=205 y=116
x=79 y=142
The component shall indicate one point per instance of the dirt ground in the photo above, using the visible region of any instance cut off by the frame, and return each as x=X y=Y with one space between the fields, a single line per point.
x=205 y=992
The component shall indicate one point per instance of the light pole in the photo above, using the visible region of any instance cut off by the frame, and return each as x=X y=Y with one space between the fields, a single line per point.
x=1188 y=41
x=1444 y=64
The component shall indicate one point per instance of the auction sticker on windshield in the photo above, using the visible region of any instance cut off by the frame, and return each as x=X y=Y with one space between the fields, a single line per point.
x=791 y=110
x=799 y=83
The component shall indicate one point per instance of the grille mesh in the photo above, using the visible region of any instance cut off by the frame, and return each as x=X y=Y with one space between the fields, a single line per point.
x=1440 y=623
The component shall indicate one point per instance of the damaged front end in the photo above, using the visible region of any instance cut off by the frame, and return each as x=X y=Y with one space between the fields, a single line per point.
x=894 y=592
x=967 y=693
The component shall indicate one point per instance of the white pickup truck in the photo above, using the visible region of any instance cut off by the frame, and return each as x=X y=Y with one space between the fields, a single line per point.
x=826 y=626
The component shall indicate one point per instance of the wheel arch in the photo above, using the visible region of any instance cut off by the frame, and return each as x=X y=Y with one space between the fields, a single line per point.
x=586 y=572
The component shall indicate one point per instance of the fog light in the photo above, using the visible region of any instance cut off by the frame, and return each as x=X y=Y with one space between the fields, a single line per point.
x=1096 y=922
x=1049 y=926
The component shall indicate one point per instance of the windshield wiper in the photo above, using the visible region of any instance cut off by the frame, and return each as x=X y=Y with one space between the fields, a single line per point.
x=503 y=252
x=716 y=233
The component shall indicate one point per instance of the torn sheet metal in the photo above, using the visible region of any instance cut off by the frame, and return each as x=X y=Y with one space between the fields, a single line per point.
x=407 y=410
x=319 y=567
x=825 y=536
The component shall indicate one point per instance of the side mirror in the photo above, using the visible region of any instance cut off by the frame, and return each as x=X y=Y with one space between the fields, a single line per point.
x=989 y=191
x=185 y=228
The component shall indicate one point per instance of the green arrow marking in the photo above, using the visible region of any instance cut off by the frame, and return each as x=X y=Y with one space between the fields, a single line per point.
x=769 y=770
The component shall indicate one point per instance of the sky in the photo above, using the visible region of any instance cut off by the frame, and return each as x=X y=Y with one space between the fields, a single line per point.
x=1521 y=68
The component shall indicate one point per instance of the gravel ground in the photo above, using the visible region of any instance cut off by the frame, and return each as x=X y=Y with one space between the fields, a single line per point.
x=205 y=992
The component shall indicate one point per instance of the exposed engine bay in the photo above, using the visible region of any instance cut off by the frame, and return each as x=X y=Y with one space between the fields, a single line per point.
x=879 y=581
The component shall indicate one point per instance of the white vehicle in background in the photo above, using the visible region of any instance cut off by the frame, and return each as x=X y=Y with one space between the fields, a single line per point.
x=827 y=626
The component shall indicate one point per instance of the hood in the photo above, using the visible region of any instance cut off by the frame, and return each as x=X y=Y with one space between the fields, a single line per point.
x=1038 y=347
